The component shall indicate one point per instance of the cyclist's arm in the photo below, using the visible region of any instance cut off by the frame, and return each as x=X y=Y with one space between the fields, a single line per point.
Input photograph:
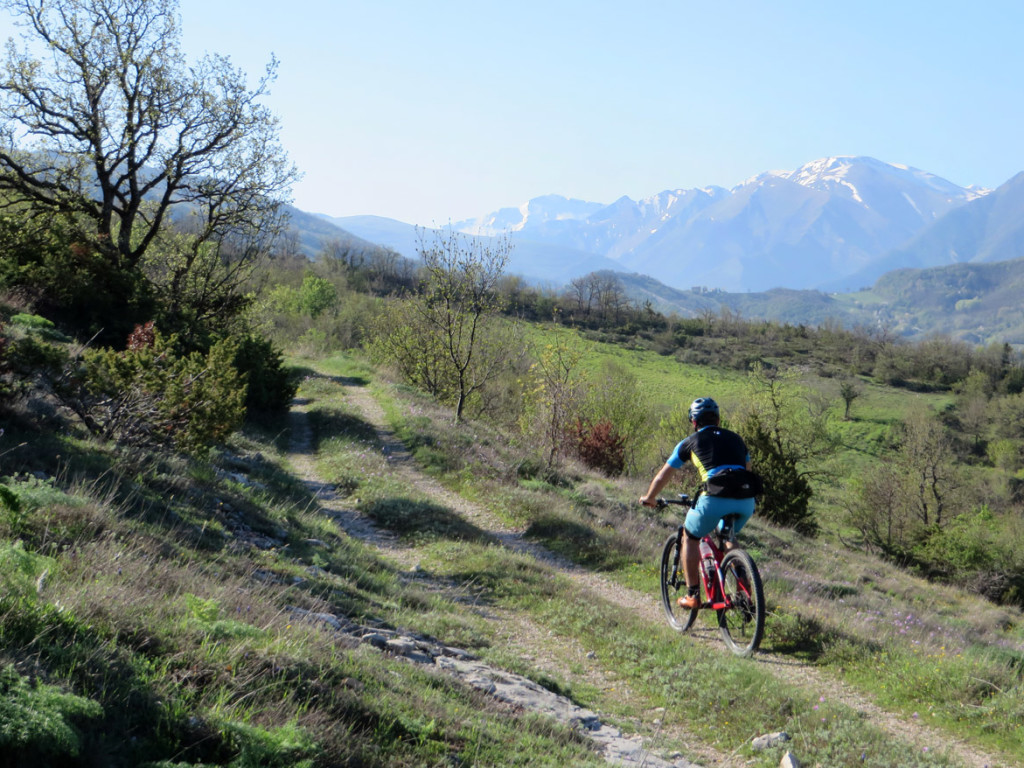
x=660 y=480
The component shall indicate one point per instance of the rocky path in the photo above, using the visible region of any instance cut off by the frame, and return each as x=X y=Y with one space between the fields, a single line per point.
x=531 y=641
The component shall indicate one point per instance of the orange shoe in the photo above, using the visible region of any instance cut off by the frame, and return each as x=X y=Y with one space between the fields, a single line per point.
x=689 y=602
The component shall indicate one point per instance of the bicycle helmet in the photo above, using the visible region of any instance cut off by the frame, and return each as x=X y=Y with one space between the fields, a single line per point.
x=703 y=410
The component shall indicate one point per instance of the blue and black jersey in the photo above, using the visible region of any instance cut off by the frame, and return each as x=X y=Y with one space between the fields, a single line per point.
x=712 y=449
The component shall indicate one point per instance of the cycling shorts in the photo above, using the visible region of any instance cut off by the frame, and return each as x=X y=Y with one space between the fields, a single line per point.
x=709 y=511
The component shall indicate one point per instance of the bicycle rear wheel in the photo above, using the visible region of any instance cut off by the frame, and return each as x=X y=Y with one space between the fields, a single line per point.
x=673 y=585
x=742 y=624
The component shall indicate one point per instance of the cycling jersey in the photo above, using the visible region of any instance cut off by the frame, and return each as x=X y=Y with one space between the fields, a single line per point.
x=712 y=449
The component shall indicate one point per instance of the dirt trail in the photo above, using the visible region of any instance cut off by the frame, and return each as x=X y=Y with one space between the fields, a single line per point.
x=533 y=642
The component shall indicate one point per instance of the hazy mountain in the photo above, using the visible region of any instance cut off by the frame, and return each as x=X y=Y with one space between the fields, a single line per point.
x=835 y=224
x=988 y=229
x=312 y=231
x=979 y=303
x=539 y=262
x=608 y=230
x=797 y=229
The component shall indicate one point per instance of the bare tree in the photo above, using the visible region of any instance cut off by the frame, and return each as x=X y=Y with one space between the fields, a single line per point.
x=459 y=298
x=556 y=392
x=448 y=338
x=104 y=123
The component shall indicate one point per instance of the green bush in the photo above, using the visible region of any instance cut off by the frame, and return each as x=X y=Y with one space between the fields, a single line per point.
x=271 y=386
x=12 y=508
x=37 y=721
x=39 y=325
x=787 y=493
x=20 y=571
x=150 y=395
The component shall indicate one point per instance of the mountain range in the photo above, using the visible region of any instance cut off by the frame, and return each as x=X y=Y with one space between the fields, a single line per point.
x=834 y=226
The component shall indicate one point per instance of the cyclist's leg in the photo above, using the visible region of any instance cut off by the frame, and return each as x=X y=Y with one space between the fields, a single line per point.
x=710 y=510
x=691 y=560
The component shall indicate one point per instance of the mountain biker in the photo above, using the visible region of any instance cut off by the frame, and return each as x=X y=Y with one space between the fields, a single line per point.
x=722 y=459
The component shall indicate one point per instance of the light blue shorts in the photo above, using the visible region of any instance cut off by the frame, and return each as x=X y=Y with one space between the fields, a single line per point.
x=710 y=510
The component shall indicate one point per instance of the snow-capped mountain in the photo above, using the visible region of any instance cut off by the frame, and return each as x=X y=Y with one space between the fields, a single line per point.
x=535 y=213
x=986 y=230
x=835 y=224
x=799 y=229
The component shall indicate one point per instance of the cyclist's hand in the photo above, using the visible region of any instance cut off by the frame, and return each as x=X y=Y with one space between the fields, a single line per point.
x=647 y=501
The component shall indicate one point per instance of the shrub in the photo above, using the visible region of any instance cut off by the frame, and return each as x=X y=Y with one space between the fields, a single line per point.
x=12 y=509
x=36 y=720
x=20 y=571
x=151 y=395
x=270 y=385
x=600 y=446
x=787 y=493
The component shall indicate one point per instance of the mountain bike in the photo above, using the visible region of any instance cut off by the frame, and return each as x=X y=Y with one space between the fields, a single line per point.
x=730 y=584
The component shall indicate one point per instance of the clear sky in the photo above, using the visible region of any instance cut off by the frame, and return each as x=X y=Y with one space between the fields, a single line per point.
x=430 y=112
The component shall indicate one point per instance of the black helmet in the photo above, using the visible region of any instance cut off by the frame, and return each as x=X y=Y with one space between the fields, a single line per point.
x=702 y=408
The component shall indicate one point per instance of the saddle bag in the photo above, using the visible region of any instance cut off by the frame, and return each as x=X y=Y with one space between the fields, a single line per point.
x=735 y=484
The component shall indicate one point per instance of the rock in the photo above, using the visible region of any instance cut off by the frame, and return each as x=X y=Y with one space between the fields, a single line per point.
x=352 y=684
x=375 y=639
x=770 y=740
x=789 y=761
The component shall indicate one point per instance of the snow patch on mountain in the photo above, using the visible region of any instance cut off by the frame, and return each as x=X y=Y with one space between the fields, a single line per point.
x=798 y=228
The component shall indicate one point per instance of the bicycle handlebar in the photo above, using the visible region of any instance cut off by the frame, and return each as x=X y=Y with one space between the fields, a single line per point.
x=683 y=501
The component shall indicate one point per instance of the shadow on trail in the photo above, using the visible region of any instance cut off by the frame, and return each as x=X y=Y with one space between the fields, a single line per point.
x=305 y=372
x=424 y=520
x=327 y=424
x=578 y=542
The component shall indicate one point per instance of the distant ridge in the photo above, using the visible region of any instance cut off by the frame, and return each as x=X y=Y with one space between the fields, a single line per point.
x=813 y=226
x=797 y=246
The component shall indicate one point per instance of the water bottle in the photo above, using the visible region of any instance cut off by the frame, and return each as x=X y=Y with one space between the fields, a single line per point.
x=705 y=551
x=707 y=562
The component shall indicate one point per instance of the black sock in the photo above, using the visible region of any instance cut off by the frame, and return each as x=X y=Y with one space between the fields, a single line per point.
x=693 y=591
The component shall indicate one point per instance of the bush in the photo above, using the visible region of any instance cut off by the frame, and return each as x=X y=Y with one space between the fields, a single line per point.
x=600 y=446
x=271 y=386
x=787 y=493
x=36 y=720
x=150 y=395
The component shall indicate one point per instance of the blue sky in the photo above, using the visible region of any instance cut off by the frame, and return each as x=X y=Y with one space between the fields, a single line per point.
x=436 y=112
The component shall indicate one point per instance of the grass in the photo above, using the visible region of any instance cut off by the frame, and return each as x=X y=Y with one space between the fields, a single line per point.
x=147 y=626
x=843 y=614
x=139 y=604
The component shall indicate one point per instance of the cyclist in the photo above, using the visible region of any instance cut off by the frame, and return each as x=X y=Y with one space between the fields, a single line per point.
x=722 y=459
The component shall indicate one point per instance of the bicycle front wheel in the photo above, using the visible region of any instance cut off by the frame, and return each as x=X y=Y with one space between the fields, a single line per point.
x=673 y=586
x=742 y=623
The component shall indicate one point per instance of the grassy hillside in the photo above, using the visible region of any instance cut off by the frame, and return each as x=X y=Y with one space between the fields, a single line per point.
x=979 y=303
x=153 y=609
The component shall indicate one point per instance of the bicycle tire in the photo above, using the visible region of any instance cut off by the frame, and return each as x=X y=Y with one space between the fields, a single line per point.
x=673 y=586
x=742 y=624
